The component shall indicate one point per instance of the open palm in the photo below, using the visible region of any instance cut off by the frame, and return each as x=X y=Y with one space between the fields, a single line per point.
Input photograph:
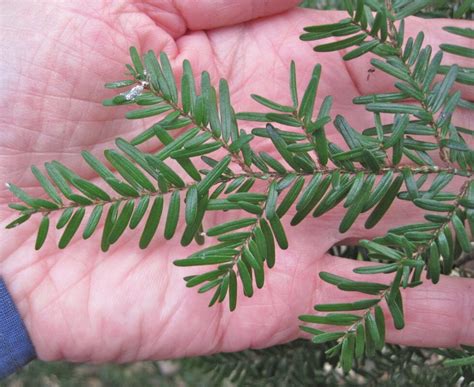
x=128 y=304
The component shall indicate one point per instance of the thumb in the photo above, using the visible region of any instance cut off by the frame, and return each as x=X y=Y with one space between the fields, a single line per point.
x=185 y=16
x=208 y=14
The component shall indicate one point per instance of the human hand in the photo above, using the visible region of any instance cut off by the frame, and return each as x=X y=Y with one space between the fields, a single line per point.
x=83 y=305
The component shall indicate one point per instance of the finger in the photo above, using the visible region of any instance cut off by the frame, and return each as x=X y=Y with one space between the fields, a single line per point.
x=440 y=315
x=207 y=14
x=400 y=213
x=434 y=36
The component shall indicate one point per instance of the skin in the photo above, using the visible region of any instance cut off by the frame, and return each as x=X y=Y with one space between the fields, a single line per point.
x=83 y=305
